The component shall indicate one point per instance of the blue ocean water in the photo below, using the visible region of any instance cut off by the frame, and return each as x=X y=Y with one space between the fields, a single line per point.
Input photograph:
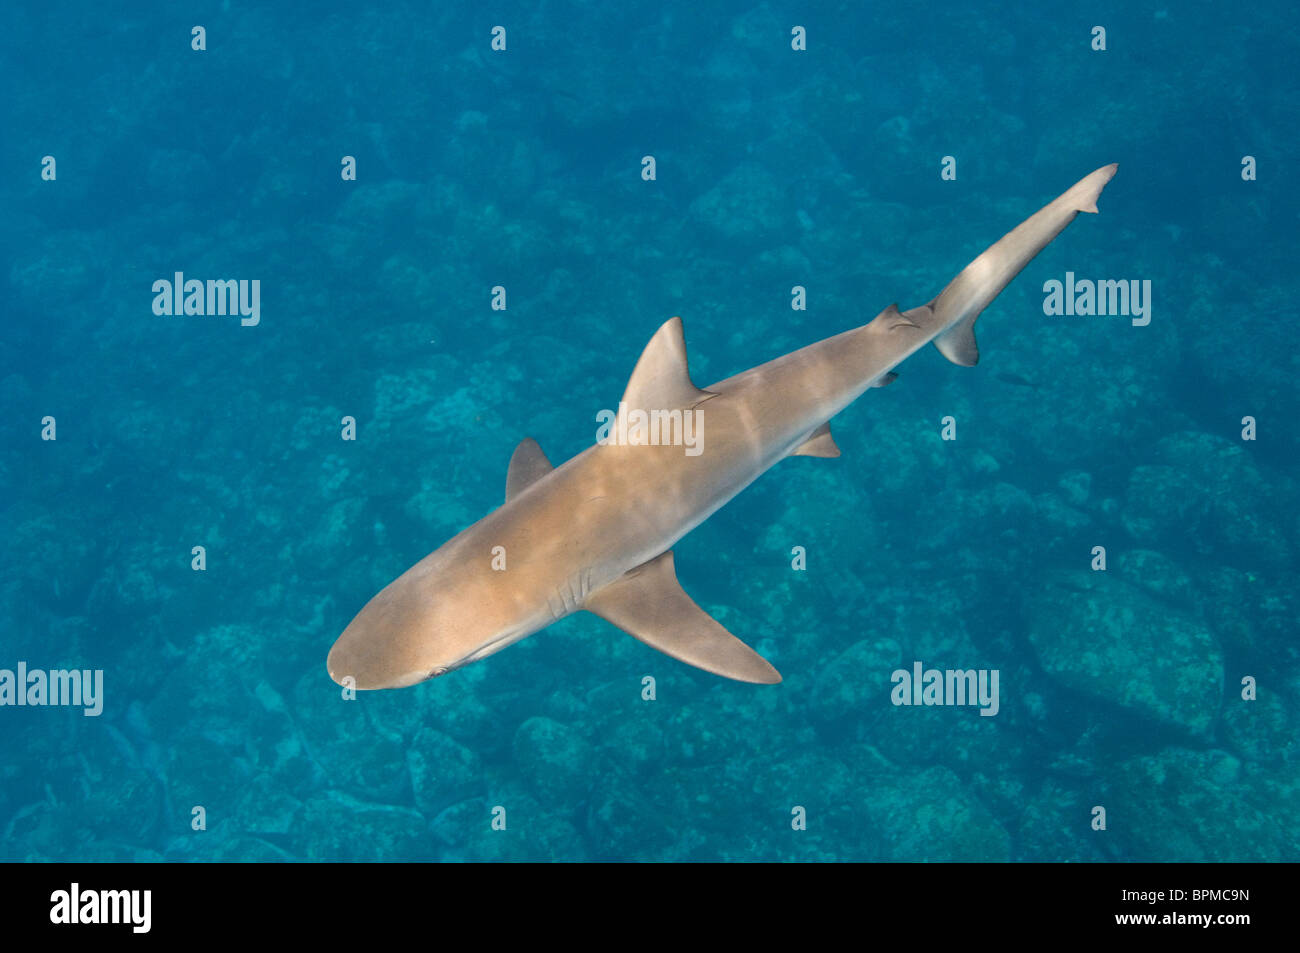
x=1147 y=711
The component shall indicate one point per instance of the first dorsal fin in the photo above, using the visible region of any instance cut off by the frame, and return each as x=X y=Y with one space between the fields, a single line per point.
x=661 y=380
x=528 y=464
x=649 y=604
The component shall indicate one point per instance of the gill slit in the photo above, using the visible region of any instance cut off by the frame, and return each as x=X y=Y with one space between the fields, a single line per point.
x=571 y=596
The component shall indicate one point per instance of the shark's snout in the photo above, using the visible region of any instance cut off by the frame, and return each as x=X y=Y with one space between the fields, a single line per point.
x=348 y=667
x=359 y=660
x=341 y=663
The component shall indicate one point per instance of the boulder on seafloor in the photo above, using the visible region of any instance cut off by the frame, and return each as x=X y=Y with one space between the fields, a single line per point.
x=1199 y=806
x=337 y=827
x=930 y=816
x=1097 y=634
x=443 y=771
x=510 y=825
x=1208 y=494
x=747 y=207
x=555 y=760
x=1056 y=824
x=1263 y=728
x=1157 y=574
x=857 y=681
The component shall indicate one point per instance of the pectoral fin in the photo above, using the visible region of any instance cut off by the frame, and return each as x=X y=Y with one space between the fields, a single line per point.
x=649 y=604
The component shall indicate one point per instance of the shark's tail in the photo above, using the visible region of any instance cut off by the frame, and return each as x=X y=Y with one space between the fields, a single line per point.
x=961 y=302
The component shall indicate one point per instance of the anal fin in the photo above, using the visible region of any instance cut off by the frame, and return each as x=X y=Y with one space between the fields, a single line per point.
x=649 y=604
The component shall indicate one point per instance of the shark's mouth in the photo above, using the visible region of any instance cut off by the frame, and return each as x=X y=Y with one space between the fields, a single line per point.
x=483 y=651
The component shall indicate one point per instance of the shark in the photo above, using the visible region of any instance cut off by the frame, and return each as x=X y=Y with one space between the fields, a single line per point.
x=596 y=534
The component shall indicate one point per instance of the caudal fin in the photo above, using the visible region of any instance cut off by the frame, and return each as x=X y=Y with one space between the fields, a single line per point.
x=960 y=303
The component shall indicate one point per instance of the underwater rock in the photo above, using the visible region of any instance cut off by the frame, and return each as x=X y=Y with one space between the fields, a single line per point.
x=1207 y=494
x=214 y=726
x=553 y=837
x=265 y=807
x=956 y=737
x=337 y=827
x=228 y=846
x=1077 y=486
x=1063 y=520
x=556 y=760
x=755 y=28
x=748 y=207
x=706 y=732
x=357 y=748
x=338 y=734
x=626 y=822
x=125 y=801
x=636 y=741
x=111 y=851
x=1228 y=600
x=175 y=175
x=767 y=792
x=127 y=587
x=443 y=771
x=319 y=547
x=1099 y=635
x=1274 y=601
x=930 y=816
x=857 y=681
x=460 y=713
x=1244 y=373
x=1056 y=825
x=1198 y=806
x=466 y=831
x=1254 y=614
x=207 y=770
x=1265 y=729
x=1160 y=502
x=1159 y=575
x=35 y=832
x=61 y=267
